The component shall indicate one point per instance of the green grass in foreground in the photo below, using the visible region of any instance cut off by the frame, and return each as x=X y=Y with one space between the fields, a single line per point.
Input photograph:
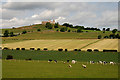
x=40 y=68
x=61 y=56
x=43 y=69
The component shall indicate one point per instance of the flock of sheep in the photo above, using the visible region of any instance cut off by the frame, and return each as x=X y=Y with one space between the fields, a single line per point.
x=84 y=65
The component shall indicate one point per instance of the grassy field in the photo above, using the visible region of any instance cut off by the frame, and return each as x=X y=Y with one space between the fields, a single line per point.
x=40 y=68
x=60 y=35
x=0 y=68
x=69 y=44
x=61 y=56
x=43 y=69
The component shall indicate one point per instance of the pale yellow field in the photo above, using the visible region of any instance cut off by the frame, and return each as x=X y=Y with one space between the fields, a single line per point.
x=104 y=44
x=66 y=44
x=51 y=44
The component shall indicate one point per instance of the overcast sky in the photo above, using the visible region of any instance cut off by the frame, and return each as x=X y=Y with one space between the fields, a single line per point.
x=88 y=14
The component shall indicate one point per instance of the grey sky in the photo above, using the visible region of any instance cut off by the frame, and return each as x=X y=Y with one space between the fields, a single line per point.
x=89 y=14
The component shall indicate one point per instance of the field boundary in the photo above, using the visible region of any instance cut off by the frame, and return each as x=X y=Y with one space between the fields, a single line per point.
x=91 y=43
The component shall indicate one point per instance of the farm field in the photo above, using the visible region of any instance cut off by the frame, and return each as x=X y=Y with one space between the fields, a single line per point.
x=109 y=44
x=51 y=44
x=69 y=44
x=43 y=69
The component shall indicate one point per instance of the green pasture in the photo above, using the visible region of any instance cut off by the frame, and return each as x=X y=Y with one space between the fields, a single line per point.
x=61 y=35
x=54 y=35
x=38 y=67
x=62 y=56
x=43 y=69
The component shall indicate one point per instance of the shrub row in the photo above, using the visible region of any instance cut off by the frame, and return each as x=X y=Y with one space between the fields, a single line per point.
x=45 y=49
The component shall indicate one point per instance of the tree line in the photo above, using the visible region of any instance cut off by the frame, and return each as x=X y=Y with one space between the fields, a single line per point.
x=113 y=35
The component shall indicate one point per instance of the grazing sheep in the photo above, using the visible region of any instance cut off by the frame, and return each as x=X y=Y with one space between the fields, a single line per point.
x=92 y=62
x=49 y=60
x=104 y=62
x=55 y=61
x=84 y=66
x=101 y=62
x=70 y=65
x=112 y=63
x=73 y=61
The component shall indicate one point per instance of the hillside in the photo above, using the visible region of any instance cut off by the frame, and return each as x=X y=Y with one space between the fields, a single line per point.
x=46 y=33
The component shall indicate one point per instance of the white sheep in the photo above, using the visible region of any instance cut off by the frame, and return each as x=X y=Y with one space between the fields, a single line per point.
x=84 y=66
x=73 y=61
x=70 y=65
x=112 y=63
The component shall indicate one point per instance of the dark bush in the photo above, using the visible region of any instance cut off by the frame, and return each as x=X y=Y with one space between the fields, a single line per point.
x=109 y=50
x=6 y=33
x=22 y=48
x=9 y=57
x=17 y=48
x=24 y=32
x=89 y=50
x=45 y=49
x=0 y=48
x=75 y=49
x=66 y=50
x=69 y=30
x=38 y=29
x=79 y=49
x=38 y=48
x=96 y=50
x=32 y=48
x=5 y=48
x=28 y=59
x=99 y=36
x=57 y=30
x=60 y=49
x=106 y=37
x=79 y=30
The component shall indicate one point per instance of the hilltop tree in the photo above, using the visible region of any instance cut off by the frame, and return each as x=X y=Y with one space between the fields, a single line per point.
x=103 y=29
x=68 y=25
x=108 y=29
x=114 y=31
x=6 y=33
x=81 y=27
x=56 y=25
x=48 y=25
